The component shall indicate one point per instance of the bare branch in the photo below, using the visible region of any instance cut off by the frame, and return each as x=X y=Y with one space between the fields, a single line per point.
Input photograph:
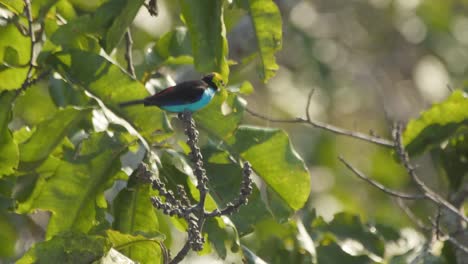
x=429 y=193
x=381 y=186
x=327 y=127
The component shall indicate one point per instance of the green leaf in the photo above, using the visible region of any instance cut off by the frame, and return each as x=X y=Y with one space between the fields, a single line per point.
x=15 y=6
x=273 y=158
x=204 y=19
x=9 y=155
x=8 y=236
x=14 y=51
x=67 y=247
x=219 y=124
x=172 y=48
x=436 y=124
x=125 y=14
x=48 y=135
x=224 y=182
x=134 y=214
x=108 y=23
x=346 y=226
x=454 y=159
x=34 y=106
x=266 y=20
x=112 y=86
x=142 y=248
x=74 y=191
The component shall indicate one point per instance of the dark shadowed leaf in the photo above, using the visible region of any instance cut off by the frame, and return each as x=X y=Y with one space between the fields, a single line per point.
x=204 y=19
x=9 y=155
x=48 y=135
x=136 y=220
x=345 y=226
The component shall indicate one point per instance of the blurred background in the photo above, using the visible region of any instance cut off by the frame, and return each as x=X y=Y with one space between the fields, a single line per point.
x=370 y=63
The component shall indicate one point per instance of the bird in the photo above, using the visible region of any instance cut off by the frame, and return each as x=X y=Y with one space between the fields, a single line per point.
x=185 y=96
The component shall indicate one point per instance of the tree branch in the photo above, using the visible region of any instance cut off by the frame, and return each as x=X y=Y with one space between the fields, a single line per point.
x=380 y=186
x=428 y=193
x=324 y=126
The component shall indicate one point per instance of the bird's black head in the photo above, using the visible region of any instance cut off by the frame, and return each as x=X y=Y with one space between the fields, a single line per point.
x=214 y=80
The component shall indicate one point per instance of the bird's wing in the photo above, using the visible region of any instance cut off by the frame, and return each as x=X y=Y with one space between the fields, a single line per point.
x=182 y=93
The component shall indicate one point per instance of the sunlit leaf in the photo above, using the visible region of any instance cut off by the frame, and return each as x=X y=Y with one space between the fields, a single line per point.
x=266 y=20
x=15 y=6
x=436 y=124
x=9 y=155
x=68 y=247
x=75 y=189
x=204 y=19
x=143 y=248
x=273 y=158
x=14 y=52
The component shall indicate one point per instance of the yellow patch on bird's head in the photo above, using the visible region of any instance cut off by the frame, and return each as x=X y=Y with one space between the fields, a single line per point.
x=214 y=79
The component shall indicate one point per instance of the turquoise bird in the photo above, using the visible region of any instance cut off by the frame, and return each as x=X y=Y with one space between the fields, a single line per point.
x=185 y=96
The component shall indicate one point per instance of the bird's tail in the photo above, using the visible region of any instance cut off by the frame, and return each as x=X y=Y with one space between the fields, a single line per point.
x=133 y=102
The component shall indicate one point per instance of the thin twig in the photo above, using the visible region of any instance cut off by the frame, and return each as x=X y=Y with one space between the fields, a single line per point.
x=412 y=216
x=128 y=53
x=324 y=126
x=381 y=186
x=429 y=193
x=32 y=37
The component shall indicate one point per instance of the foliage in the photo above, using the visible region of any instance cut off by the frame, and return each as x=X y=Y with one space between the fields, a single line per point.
x=69 y=152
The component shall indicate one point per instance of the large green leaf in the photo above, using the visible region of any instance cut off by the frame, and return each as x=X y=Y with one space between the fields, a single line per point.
x=15 y=6
x=266 y=20
x=436 y=124
x=9 y=155
x=14 y=57
x=139 y=247
x=204 y=19
x=48 y=135
x=224 y=182
x=273 y=159
x=67 y=247
x=112 y=86
x=134 y=214
x=75 y=189
x=34 y=106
